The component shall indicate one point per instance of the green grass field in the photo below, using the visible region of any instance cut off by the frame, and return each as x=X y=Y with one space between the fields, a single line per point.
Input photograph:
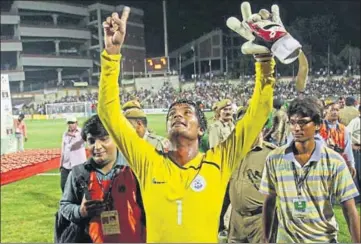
x=28 y=206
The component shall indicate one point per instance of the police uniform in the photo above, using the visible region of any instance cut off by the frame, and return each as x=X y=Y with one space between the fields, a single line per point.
x=219 y=131
x=278 y=132
x=227 y=208
x=246 y=215
x=160 y=143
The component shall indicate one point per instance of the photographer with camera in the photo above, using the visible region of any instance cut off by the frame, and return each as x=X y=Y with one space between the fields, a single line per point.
x=337 y=136
x=101 y=196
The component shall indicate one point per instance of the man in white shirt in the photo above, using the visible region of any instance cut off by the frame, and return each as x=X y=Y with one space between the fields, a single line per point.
x=72 y=150
x=354 y=128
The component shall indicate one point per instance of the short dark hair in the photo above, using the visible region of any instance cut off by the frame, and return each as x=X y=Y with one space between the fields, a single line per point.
x=21 y=116
x=350 y=101
x=199 y=113
x=277 y=103
x=306 y=107
x=94 y=127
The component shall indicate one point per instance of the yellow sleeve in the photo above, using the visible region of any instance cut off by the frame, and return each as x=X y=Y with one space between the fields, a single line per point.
x=229 y=153
x=140 y=155
x=213 y=136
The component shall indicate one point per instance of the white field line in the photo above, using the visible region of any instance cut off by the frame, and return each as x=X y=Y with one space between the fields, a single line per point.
x=48 y=174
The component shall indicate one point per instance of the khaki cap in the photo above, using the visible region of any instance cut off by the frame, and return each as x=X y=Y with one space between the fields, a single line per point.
x=131 y=104
x=223 y=103
x=134 y=113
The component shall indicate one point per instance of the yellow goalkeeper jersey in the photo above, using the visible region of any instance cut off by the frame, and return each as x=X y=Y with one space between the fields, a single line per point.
x=182 y=203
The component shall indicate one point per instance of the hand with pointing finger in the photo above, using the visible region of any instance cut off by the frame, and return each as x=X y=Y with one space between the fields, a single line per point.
x=114 y=31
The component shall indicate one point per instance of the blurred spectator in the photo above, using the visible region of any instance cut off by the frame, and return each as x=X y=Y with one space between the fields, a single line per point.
x=20 y=132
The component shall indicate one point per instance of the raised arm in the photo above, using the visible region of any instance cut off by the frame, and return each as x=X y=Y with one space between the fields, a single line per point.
x=239 y=143
x=266 y=36
x=139 y=154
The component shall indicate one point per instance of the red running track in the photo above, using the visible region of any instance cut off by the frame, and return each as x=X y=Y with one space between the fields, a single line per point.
x=18 y=166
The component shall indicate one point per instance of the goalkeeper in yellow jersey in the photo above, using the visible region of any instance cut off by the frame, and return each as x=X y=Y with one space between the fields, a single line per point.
x=183 y=189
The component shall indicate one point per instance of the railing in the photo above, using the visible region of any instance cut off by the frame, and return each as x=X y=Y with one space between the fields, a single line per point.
x=51 y=25
x=68 y=3
x=53 y=56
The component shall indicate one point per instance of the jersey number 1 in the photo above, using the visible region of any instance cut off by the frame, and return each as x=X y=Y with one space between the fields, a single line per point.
x=179 y=212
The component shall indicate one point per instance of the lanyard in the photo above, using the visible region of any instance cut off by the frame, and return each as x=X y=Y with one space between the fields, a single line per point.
x=298 y=179
x=107 y=195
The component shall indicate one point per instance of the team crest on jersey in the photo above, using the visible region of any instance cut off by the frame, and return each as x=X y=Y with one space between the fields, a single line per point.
x=198 y=184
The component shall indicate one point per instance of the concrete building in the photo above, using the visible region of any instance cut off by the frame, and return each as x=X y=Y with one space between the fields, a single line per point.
x=218 y=52
x=51 y=44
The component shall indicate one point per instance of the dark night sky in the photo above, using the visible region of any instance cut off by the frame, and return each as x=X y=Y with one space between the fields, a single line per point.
x=189 y=19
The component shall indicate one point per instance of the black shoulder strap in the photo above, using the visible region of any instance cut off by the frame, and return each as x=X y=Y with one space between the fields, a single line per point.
x=79 y=171
x=81 y=175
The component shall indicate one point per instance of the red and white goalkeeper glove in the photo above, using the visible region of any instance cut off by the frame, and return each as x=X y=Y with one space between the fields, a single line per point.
x=269 y=31
x=267 y=36
x=261 y=52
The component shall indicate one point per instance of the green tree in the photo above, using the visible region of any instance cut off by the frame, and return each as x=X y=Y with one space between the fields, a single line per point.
x=315 y=34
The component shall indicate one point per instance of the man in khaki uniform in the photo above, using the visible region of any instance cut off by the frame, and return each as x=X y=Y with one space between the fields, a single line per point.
x=277 y=133
x=222 y=128
x=246 y=215
x=217 y=133
x=227 y=207
x=138 y=119
x=349 y=112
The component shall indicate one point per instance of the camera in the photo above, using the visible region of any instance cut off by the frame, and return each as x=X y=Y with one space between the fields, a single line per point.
x=337 y=148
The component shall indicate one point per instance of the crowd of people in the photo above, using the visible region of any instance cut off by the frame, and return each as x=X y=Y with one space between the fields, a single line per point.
x=208 y=92
x=322 y=88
